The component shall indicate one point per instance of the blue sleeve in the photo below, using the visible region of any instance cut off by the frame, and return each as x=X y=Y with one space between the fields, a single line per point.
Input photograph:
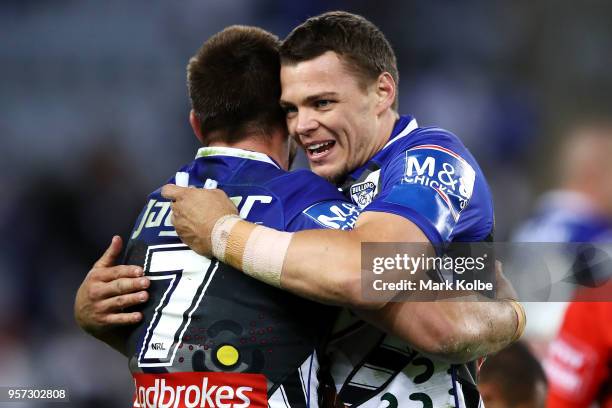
x=310 y=202
x=429 y=185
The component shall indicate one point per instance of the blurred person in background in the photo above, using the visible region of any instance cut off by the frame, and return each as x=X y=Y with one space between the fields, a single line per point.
x=579 y=360
x=580 y=211
x=512 y=378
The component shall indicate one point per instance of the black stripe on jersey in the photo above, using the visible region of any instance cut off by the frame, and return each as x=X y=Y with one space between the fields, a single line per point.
x=362 y=386
x=354 y=396
x=392 y=360
x=294 y=392
x=381 y=369
x=471 y=395
x=284 y=395
x=382 y=358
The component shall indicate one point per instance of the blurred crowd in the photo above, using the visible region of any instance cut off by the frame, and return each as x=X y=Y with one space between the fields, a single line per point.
x=95 y=115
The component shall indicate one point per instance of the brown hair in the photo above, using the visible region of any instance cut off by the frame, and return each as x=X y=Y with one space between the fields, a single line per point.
x=364 y=48
x=234 y=84
x=516 y=372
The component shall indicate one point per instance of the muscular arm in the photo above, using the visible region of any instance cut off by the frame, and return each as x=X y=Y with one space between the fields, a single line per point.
x=325 y=266
x=453 y=331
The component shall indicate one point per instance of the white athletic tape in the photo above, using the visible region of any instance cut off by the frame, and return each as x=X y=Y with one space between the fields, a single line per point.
x=181 y=179
x=265 y=253
x=221 y=233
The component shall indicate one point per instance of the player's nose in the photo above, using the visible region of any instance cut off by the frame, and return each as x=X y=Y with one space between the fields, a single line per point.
x=306 y=123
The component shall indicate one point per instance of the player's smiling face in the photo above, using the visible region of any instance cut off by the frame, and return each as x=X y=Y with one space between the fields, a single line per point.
x=332 y=116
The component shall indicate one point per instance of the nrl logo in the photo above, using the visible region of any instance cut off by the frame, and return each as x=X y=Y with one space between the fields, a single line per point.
x=362 y=194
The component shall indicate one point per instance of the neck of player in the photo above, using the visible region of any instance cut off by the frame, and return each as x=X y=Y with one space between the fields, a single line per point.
x=275 y=145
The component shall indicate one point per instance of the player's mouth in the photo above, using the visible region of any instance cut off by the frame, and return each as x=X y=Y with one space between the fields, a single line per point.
x=317 y=151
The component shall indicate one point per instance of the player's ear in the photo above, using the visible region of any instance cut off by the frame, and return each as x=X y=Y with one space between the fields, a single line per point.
x=196 y=126
x=386 y=91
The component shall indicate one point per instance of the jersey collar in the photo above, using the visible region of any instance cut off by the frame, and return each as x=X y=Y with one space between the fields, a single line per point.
x=233 y=152
x=403 y=126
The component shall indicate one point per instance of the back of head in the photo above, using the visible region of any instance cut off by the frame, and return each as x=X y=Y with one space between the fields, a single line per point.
x=588 y=144
x=362 y=46
x=513 y=378
x=586 y=161
x=234 y=84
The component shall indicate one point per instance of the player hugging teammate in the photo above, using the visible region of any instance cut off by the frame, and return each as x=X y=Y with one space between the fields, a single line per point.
x=339 y=81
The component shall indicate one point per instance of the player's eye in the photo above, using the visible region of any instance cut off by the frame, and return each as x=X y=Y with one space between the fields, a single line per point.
x=290 y=111
x=323 y=103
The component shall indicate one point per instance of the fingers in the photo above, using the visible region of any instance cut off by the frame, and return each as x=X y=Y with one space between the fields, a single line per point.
x=122 y=319
x=118 y=303
x=109 y=274
x=172 y=192
x=498 y=268
x=109 y=257
x=505 y=290
x=118 y=287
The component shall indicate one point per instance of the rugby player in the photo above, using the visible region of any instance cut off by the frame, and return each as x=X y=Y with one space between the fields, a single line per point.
x=210 y=336
x=579 y=360
x=201 y=315
x=415 y=185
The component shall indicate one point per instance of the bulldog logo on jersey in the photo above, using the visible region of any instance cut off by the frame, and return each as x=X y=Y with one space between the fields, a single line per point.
x=362 y=194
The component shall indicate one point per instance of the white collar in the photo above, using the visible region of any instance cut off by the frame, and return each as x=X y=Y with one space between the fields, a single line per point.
x=233 y=152
x=412 y=125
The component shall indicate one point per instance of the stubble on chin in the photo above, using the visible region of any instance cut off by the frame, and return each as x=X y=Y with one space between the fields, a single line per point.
x=336 y=178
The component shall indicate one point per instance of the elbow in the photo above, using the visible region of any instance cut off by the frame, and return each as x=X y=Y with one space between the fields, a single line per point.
x=355 y=296
x=447 y=341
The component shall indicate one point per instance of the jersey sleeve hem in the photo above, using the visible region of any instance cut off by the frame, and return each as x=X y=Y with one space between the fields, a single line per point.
x=411 y=215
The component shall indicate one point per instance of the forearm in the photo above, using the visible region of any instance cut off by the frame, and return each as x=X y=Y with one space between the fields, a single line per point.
x=325 y=266
x=453 y=331
x=322 y=265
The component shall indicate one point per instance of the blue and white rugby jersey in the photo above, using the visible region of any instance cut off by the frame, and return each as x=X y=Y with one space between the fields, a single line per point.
x=429 y=177
x=565 y=216
x=204 y=316
x=568 y=216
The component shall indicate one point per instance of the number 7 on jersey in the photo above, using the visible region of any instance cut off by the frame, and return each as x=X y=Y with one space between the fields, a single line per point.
x=188 y=276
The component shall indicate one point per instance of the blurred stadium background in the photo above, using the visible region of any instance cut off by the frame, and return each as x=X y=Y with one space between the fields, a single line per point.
x=94 y=116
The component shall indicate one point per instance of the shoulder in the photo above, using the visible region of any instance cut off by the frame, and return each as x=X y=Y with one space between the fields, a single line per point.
x=309 y=202
x=434 y=157
x=303 y=186
x=434 y=140
x=432 y=172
